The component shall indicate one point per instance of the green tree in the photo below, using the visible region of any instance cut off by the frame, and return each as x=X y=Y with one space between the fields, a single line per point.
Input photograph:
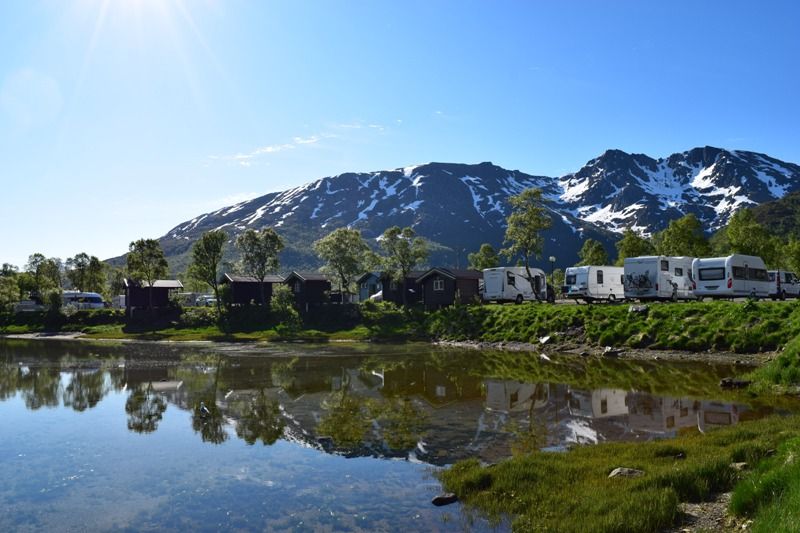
x=260 y=251
x=86 y=273
x=791 y=254
x=592 y=253
x=633 y=245
x=46 y=273
x=747 y=236
x=683 y=236
x=146 y=264
x=8 y=270
x=9 y=291
x=116 y=280
x=404 y=251
x=485 y=257
x=346 y=255
x=206 y=259
x=526 y=222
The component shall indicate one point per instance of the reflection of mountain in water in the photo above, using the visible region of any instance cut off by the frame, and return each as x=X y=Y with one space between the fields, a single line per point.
x=356 y=406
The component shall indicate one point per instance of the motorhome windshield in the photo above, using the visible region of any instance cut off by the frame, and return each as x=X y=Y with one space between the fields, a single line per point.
x=571 y=279
x=711 y=274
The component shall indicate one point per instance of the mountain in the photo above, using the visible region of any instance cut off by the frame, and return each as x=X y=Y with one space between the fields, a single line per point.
x=780 y=217
x=460 y=206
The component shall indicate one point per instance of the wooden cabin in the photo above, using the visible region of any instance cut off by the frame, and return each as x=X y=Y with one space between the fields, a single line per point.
x=393 y=290
x=440 y=286
x=246 y=290
x=309 y=289
x=139 y=295
x=368 y=284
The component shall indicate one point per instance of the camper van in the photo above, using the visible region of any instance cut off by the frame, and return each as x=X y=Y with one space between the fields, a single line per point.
x=511 y=284
x=730 y=277
x=659 y=277
x=783 y=284
x=83 y=300
x=592 y=283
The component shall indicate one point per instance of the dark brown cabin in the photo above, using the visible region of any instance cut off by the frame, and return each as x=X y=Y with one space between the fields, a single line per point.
x=309 y=289
x=246 y=290
x=393 y=290
x=138 y=294
x=439 y=287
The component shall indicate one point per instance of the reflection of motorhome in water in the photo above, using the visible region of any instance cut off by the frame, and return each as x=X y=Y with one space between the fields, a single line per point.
x=729 y=277
x=658 y=277
x=511 y=284
x=590 y=283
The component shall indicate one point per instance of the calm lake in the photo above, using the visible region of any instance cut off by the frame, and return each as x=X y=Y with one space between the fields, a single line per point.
x=135 y=436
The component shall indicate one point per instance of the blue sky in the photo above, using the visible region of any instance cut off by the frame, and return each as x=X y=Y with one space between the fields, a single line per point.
x=121 y=118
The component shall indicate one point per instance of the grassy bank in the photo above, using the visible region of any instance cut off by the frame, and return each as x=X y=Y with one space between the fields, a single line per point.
x=572 y=491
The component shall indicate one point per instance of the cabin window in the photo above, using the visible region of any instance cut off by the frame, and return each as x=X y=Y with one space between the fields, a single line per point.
x=571 y=279
x=510 y=279
x=678 y=271
x=711 y=274
x=664 y=265
x=364 y=285
x=297 y=287
x=600 y=277
x=739 y=273
x=758 y=274
x=438 y=284
x=393 y=286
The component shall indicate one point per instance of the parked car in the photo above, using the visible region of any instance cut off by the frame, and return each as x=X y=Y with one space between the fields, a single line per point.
x=206 y=300
x=730 y=277
x=783 y=284
x=594 y=283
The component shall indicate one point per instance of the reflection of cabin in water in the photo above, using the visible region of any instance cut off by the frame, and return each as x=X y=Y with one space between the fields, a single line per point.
x=436 y=387
x=661 y=414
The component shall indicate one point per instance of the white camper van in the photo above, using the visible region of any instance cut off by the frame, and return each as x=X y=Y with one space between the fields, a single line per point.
x=730 y=277
x=83 y=300
x=591 y=283
x=511 y=284
x=783 y=284
x=659 y=277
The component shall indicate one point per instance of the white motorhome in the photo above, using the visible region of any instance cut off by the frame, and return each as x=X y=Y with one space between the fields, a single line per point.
x=592 y=283
x=511 y=284
x=783 y=284
x=83 y=300
x=730 y=277
x=659 y=277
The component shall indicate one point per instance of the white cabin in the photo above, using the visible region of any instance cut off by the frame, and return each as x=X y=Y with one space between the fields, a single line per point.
x=659 y=277
x=591 y=283
x=730 y=277
x=511 y=284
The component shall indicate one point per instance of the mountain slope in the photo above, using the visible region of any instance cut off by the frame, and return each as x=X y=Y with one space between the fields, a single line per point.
x=460 y=206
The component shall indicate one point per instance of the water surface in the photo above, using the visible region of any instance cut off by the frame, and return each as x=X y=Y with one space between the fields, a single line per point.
x=137 y=436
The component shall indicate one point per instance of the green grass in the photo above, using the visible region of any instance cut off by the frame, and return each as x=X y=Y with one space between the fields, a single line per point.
x=572 y=492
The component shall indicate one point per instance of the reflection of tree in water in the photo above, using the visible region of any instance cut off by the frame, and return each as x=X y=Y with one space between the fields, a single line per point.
x=40 y=387
x=145 y=409
x=261 y=420
x=10 y=375
x=349 y=419
x=209 y=422
x=85 y=389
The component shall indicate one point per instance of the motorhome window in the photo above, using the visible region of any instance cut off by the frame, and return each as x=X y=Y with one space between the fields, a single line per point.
x=739 y=273
x=772 y=276
x=600 y=277
x=510 y=279
x=664 y=265
x=438 y=284
x=571 y=279
x=678 y=271
x=788 y=277
x=711 y=274
x=758 y=274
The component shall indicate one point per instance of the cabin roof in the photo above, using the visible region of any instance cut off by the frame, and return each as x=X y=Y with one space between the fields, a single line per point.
x=307 y=276
x=157 y=284
x=232 y=278
x=451 y=273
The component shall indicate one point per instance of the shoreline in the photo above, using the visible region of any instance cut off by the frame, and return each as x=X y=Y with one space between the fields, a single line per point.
x=745 y=360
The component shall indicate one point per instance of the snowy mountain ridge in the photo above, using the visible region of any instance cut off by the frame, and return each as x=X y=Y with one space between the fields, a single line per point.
x=460 y=206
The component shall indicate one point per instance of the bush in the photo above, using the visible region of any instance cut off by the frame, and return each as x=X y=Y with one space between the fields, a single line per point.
x=283 y=310
x=198 y=317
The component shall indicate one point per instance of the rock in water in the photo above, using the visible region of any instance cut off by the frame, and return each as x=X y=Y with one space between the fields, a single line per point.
x=444 y=499
x=734 y=383
x=626 y=472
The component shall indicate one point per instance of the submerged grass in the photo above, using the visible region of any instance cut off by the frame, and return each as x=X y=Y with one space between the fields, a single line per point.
x=572 y=491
